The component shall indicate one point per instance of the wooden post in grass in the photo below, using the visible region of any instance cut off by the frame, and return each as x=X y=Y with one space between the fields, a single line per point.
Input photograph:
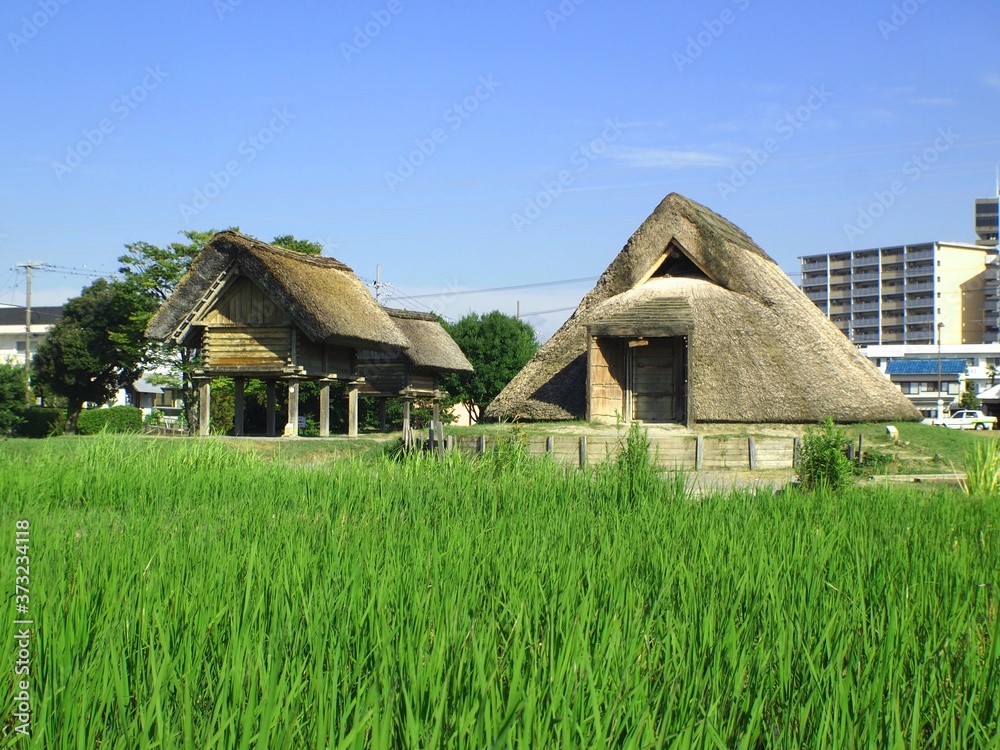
x=583 y=452
x=205 y=408
x=382 y=420
x=550 y=445
x=352 y=411
x=698 y=453
x=324 y=408
x=292 y=427
x=753 y=454
x=481 y=445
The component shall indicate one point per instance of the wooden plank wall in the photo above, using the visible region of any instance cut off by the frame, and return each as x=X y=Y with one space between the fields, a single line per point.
x=669 y=453
x=265 y=348
x=245 y=304
x=607 y=378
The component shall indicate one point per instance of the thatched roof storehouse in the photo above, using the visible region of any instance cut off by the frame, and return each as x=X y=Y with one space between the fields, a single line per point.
x=414 y=371
x=258 y=311
x=693 y=322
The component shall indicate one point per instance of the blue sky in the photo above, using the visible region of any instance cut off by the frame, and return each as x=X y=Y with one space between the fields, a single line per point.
x=465 y=146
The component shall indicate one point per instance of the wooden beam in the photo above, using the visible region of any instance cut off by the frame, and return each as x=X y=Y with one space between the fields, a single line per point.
x=205 y=408
x=324 y=408
x=352 y=411
x=238 y=419
x=271 y=397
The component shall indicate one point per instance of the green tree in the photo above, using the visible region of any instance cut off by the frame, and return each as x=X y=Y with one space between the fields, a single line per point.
x=305 y=247
x=498 y=346
x=12 y=387
x=97 y=346
x=968 y=399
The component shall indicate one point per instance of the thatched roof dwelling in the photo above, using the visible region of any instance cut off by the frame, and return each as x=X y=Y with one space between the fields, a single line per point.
x=323 y=297
x=693 y=322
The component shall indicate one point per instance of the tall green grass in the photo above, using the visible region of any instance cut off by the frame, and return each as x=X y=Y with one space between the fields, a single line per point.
x=982 y=469
x=190 y=595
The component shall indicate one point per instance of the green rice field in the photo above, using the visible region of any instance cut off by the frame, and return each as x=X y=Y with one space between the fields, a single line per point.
x=190 y=594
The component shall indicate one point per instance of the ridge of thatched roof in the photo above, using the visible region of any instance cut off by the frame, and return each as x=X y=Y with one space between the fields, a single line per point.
x=322 y=295
x=430 y=345
x=760 y=350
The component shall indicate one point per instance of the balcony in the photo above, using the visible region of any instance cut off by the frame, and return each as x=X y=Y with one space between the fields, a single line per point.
x=868 y=291
x=871 y=322
x=925 y=253
x=837 y=264
x=866 y=276
x=813 y=265
x=865 y=337
x=817 y=295
x=814 y=281
x=914 y=320
x=919 y=286
x=860 y=261
x=922 y=270
x=864 y=306
x=919 y=303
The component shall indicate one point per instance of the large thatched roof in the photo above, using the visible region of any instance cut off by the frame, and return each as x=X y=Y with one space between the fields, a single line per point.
x=322 y=295
x=759 y=350
x=431 y=346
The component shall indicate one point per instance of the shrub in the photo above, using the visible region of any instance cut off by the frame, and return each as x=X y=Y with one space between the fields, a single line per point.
x=40 y=422
x=822 y=462
x=117 y=419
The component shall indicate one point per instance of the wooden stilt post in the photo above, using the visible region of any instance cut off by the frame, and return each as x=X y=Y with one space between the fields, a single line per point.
x=238 y=419
x=382 y=420
x=407 y=436
x=205 y=408
x=583 y=452
x=352 y=411
x=437 y=427
x=324 y=408
x=271 y=397
x=292 y=428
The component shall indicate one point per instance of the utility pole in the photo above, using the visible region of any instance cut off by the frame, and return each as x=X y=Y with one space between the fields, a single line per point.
x=28 y=268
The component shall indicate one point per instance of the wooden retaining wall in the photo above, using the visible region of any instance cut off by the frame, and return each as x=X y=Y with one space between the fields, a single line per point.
x=688 y=452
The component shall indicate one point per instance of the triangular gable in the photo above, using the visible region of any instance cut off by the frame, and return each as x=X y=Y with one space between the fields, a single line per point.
x=675 y=261
x=241 y=303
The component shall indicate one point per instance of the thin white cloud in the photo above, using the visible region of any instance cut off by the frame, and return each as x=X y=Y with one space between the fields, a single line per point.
x=932 y=102
x=662 y=158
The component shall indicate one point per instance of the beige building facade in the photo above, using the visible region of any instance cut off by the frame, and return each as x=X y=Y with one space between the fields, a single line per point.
x=920 y=294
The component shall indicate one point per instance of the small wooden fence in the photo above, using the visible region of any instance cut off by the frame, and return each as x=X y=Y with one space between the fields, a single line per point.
x=689 y=452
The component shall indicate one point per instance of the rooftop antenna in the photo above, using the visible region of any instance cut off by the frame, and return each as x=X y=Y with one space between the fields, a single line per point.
x=382 y=290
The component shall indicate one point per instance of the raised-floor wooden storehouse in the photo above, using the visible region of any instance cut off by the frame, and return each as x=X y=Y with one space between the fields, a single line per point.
x=253 y=310
x=692 y=323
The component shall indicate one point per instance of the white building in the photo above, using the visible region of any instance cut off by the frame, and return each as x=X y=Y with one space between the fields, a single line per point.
x=915 y=369
x=13 y=330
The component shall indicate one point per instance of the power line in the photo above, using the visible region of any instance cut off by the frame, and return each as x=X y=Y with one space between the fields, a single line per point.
x=538 y=285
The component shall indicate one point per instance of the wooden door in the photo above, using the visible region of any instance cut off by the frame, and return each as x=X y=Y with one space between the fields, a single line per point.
x=659 y=380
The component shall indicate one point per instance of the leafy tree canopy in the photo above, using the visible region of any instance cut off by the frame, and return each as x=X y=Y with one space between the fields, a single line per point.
x=97 y=346
x=498 y=346
x=305 y=247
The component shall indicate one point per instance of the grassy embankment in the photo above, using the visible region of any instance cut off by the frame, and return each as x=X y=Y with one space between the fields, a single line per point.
x=190 y=594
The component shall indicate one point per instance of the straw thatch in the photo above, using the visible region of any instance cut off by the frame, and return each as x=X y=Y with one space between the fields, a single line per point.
x=322 y=295
x=430 y=346
x=759 y=350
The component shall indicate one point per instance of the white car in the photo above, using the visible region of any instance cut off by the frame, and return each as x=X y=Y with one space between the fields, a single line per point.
x=968 y=419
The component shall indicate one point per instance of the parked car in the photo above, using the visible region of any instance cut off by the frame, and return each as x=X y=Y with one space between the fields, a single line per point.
x=967 y=419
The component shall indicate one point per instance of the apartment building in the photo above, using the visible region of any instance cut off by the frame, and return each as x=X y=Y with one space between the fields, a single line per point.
x=907 y=294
